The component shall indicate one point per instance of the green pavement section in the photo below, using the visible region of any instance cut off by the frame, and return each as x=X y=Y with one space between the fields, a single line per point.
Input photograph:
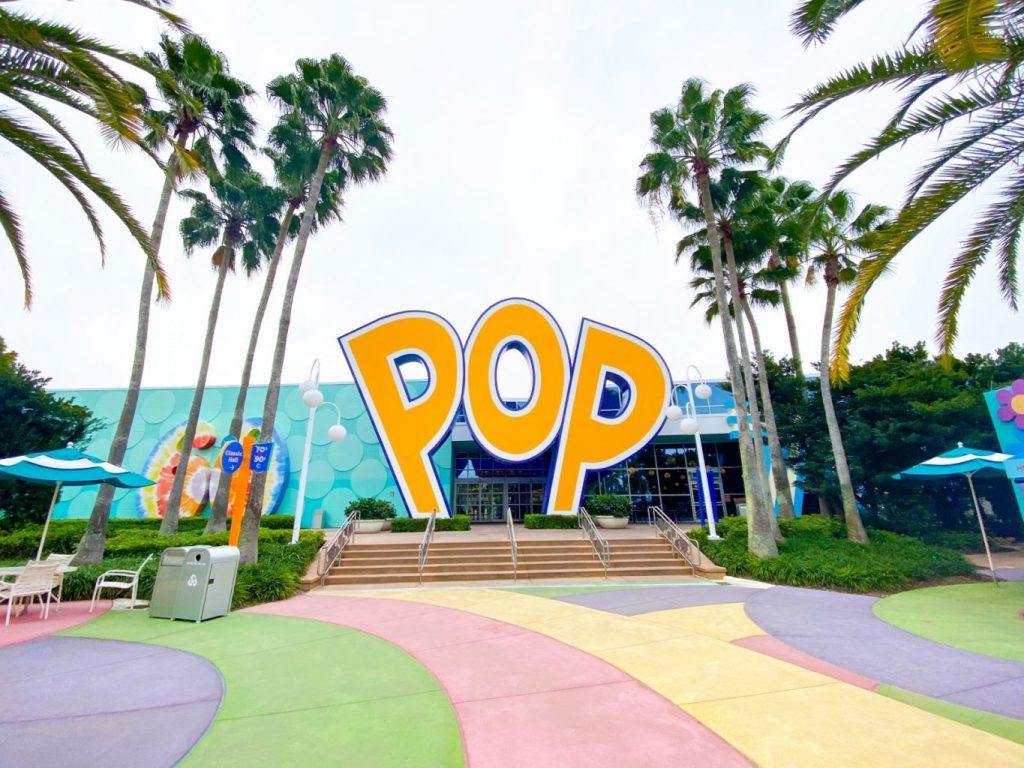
x=998 y=725
x=979 y=617
x=301 y=692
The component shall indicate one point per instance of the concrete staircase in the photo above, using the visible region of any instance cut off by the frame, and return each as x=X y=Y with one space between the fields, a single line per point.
x=396 y=563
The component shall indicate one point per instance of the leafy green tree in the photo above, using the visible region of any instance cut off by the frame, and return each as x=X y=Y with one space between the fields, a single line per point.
x=201 y=114
x=345 y=116
x=32 y=419
x=46 y=64
x=240 y=220
x=960 y=73
x=295 y=156
x=704 y=132
x=838 y=237
x=900 y=408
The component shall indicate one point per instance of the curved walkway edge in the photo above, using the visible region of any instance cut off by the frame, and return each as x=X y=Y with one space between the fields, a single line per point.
x=79 y=701
x=522 y=697
x=843 y=630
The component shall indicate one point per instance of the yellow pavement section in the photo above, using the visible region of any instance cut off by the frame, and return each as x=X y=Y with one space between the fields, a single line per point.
x=774 y=712
x=725 y=622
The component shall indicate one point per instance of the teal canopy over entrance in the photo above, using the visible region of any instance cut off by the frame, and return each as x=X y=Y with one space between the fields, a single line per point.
x=67 y=466
x=967 y=462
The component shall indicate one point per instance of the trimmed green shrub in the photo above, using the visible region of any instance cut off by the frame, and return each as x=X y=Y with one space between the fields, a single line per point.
x=419 y=524
x=371 y=509
x=960 y=541
x=610 y=504
x=126 y=537
x=278 y=521
x=817 y=554
x=551 y=521
x=275 y=577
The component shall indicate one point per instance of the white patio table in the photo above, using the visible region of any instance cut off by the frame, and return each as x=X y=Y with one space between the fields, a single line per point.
x=15 y=571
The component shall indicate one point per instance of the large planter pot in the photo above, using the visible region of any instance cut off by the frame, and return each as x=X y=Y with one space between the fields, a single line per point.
x=607 y=521
x=369 y=526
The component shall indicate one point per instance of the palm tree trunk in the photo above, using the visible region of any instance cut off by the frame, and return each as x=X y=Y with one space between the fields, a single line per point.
x=787 y=309
x=854 y=525
x=825 y=506
x=782 y=489
x=762 y=487
x=219 y=508
x=249 y=544
x=170 y=521
x=90 y=548
x=760 y=541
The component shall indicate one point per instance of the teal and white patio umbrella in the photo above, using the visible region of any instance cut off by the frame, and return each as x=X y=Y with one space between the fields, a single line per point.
x=968 y=462
x=68 y=466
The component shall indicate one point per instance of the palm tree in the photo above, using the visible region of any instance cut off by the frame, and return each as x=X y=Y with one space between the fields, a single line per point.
x=741 y=223
x=705 y=131
x=202 y=114
x=960 y=72
x=838 y=237
x=345 y=115
x=240 y=219
x=46 y=63
x=782 y=210
x=294 y=155
x=745 y=230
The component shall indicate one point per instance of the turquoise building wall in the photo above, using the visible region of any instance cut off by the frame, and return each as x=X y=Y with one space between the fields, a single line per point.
x=338 y=472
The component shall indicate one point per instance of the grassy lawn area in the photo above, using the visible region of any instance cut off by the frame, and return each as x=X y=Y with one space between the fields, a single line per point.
x=976 y=617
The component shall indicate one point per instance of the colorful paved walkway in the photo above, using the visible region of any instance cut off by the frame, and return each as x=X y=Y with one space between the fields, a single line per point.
x=977 y=617
x=66 y=701
x=623 y=675
x=843 y=630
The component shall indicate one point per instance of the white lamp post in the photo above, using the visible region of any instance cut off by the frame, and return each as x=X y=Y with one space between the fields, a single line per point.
x=312 y=398
x=690 y=426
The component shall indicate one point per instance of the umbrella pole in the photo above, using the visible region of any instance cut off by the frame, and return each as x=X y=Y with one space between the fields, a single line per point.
x=981 y=524
x=46 y=525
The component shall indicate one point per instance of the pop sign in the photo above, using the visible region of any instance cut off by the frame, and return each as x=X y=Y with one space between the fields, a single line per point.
x=565 y=403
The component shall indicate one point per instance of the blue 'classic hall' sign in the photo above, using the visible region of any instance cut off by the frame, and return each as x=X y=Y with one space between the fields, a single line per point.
x=232 y=457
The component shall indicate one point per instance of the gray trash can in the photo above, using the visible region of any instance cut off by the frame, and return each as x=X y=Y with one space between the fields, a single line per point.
x=203 y=580
x=168 y=576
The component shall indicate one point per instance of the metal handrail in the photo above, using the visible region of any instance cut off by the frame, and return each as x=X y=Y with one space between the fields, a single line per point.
x=331 y=551
x=685 y=547
x=597 y=541
x=513 y=546
x=428 y=536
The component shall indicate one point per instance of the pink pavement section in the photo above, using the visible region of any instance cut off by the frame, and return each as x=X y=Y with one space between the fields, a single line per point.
x=523 y=698
x=30 y=625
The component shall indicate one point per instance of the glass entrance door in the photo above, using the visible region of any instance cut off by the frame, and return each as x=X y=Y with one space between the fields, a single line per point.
x=696 y=492
x=486 y=502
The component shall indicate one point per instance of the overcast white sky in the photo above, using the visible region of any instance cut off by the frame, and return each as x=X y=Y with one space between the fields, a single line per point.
x=519 y=128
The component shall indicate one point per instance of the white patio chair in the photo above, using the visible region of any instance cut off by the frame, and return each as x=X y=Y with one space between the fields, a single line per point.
x=58 y=576
x=120 y=580
x=35 y=581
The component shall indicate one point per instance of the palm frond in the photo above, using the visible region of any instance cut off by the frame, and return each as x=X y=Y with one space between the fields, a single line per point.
x=966 y=32
x=814 y=20
x=12 y=228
